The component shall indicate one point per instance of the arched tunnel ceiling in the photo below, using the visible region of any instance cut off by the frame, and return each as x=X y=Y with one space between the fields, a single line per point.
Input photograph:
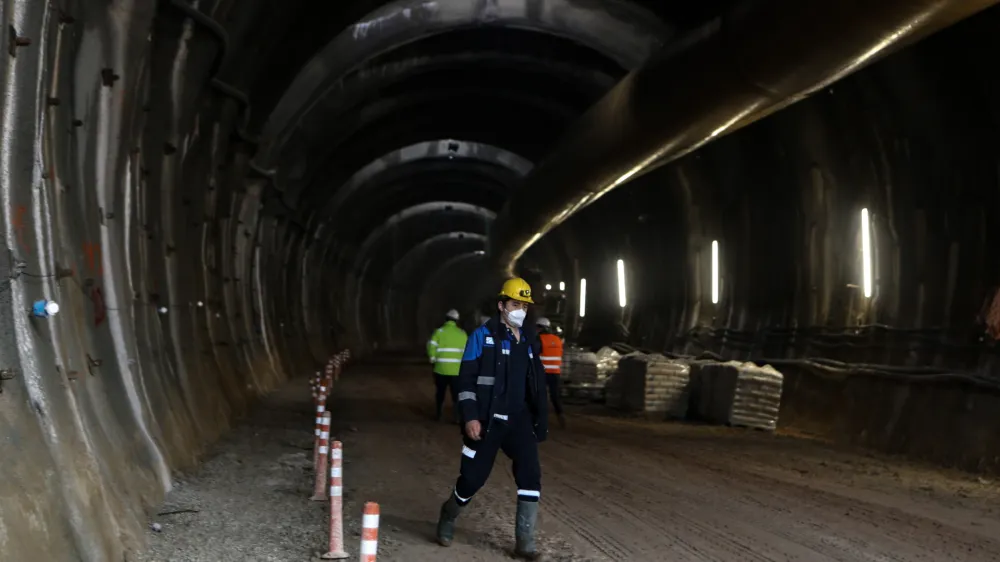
x=418 y=72
x=357 y=139
x=430 y=106
x=622 y=31
x=762 y=59
x=448 y=216
x=441 y=152
x=477 y=174
x=420 y=257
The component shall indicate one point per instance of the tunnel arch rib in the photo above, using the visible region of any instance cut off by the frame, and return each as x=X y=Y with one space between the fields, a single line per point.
x=428 y=150
x=600 y=25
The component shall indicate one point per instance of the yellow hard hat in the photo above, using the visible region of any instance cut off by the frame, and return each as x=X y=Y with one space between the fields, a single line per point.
x=517 y=289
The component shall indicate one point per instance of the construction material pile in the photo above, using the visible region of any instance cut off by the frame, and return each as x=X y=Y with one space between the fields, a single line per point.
x=651 y=384
x=585 y=373
x=579 y=366
x=579 y=376
x=607 y=363
x=739 y=394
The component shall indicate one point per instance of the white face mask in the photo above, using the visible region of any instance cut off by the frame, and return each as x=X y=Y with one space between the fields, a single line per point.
x=516 y=317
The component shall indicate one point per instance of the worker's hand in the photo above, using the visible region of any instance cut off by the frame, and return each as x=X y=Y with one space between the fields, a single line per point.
x=537 y=433
x=472 y=429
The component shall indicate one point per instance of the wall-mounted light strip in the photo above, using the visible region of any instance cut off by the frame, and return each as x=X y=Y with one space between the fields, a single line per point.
x=715 y=272
x=621 y=283
x=583 y=298
x=866 y=253
x=562 y=286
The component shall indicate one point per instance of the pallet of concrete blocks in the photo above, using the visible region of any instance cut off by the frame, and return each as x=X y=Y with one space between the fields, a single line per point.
x=651 y=384
x=738 y=394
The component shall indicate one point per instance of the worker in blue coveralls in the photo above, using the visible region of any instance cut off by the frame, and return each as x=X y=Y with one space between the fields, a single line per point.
x=503 y=402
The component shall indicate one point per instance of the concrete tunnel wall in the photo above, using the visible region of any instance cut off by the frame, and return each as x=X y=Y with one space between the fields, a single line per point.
x=124 y=194
x=912 y=370
x=128 y=187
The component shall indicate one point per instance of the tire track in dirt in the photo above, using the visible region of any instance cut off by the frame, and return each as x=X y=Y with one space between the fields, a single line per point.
x=666 y=528
x=947 y=498
x=411 y=463
x=647 y=539
x=614 y=503
x=818 y=514
x=594 y=534
x=727 y=488
x=613 y=492
x=906 y=536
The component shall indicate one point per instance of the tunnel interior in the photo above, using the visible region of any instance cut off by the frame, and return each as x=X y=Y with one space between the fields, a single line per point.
x=220 y=194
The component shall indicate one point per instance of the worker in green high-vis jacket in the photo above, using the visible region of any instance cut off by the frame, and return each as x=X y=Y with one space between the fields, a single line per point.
x=445 y=350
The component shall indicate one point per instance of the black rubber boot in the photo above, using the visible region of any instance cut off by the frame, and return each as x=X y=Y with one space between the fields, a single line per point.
x=524 y=532
x=450 y=511
x=562 y=421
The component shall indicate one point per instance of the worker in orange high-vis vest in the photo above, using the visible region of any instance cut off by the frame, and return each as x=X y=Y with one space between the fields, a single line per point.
x=551 y=355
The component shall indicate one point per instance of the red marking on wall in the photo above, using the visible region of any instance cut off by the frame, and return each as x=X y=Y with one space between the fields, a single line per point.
x=100 y=310
x=92 y=253
x=19 y=227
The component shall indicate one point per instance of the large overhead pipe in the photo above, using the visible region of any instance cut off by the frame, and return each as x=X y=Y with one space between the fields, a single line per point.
x=744 y=66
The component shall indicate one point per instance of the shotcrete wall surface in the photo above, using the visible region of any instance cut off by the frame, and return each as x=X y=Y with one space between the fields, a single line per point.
x=158 y=259
x=948 y=420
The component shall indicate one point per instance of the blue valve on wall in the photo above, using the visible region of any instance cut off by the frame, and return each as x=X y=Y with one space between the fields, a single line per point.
x=45 y=308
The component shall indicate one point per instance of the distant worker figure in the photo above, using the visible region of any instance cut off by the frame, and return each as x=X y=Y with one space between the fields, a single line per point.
x=504 y=407
x=445 y=351
x=552 y=355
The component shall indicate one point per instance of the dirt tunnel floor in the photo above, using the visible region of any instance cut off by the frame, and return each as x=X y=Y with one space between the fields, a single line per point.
x=613 y=489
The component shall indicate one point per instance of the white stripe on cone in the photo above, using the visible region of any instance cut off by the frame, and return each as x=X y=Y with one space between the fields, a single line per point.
x=336 y=545
x=320 y=459
x=369 y=533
